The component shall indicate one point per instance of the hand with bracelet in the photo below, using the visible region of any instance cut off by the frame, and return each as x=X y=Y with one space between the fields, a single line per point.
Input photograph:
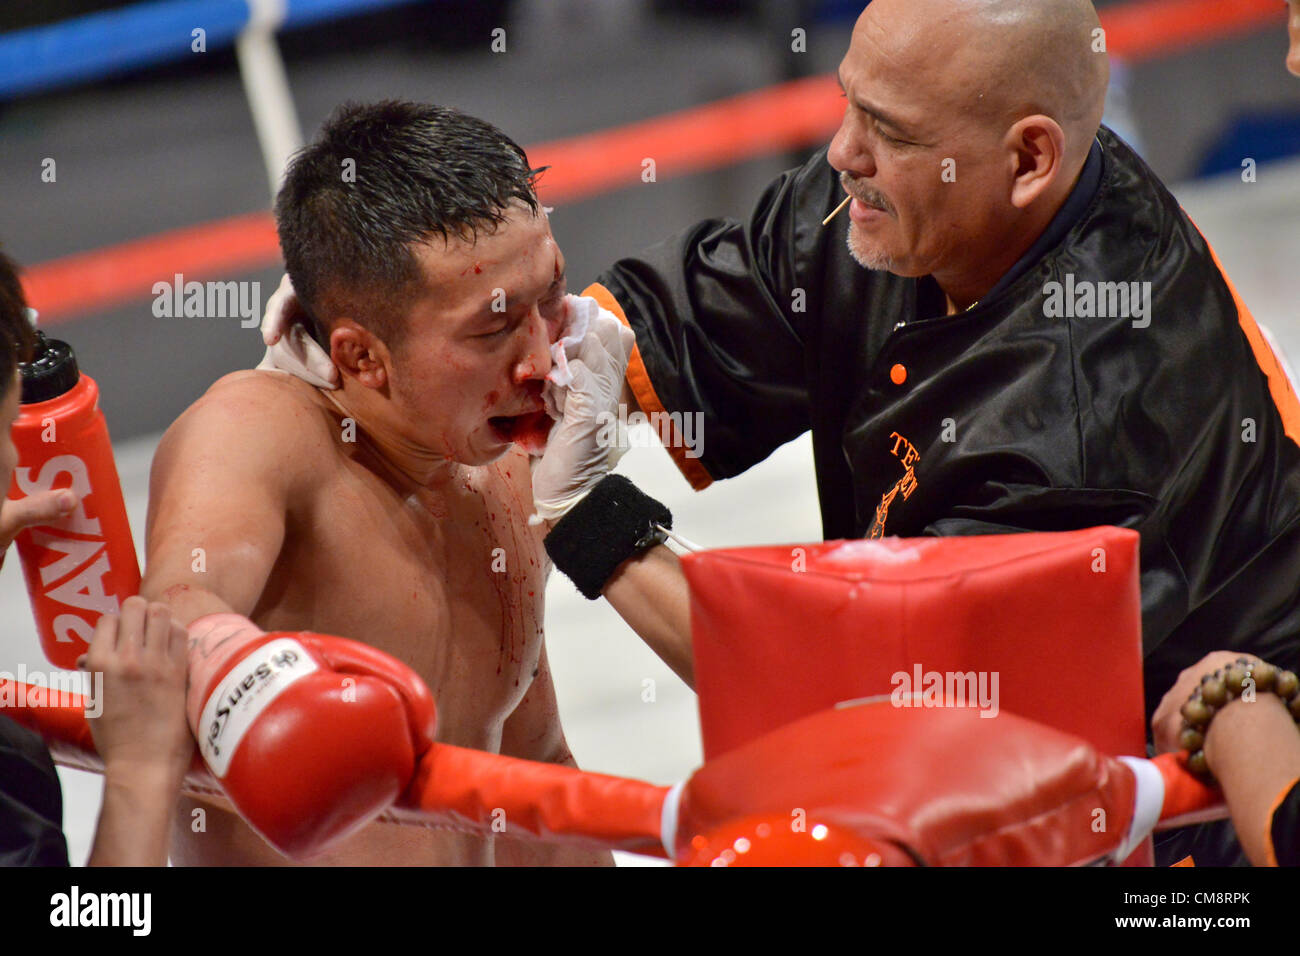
x=1235 y=715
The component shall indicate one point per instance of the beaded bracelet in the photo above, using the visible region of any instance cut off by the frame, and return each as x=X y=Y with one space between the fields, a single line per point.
x=1219 y=689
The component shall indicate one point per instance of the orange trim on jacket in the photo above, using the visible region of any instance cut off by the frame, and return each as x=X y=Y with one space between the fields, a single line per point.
x=1279 y=386
x=1268 y=823
x=638 y=379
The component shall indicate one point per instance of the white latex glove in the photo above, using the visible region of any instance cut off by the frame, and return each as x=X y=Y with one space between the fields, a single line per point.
x=289 y=347
x=590 y=437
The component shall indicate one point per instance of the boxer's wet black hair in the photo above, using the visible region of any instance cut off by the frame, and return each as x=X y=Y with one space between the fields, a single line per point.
x=379 y=178
x=16 y=336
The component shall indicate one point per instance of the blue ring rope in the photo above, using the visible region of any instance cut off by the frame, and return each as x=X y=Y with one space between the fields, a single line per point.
x=114 y=41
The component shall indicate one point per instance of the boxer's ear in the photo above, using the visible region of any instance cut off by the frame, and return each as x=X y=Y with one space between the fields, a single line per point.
x=1036 y=147
x=358 y=353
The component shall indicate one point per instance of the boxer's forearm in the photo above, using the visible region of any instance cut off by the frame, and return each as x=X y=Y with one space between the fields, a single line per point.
x=135 y=818
x=188 y=601
x=1253 y=749
x=650 y=593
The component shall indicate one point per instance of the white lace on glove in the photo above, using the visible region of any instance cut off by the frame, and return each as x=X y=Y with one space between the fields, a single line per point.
x=590 y=437
x=289 y=346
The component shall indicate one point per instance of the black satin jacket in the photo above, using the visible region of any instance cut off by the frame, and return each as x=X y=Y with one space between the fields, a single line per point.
x=1284 y=828
x=1011 y=416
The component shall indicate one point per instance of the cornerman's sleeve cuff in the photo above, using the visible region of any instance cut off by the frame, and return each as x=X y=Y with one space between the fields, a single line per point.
x=638 y=379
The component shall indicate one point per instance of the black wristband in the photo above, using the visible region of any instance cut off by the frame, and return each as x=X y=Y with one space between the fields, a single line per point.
x=613 y=523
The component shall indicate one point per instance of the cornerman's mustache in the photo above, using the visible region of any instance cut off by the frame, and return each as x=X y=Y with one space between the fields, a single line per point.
x=865 y=193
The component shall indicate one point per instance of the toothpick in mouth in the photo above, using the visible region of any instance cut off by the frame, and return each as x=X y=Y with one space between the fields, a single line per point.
x=827 y=220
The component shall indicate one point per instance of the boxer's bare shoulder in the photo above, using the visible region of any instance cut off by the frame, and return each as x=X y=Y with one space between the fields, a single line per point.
x=222 y=486
x=268 y=410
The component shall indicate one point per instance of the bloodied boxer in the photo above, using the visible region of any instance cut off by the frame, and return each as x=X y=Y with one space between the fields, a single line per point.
x=393 y=508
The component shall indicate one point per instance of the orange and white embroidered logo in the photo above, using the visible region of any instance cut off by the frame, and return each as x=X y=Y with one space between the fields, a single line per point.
x=905 y=452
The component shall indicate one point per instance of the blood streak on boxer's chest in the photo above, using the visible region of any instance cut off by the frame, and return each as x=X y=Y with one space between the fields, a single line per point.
x=501 y=531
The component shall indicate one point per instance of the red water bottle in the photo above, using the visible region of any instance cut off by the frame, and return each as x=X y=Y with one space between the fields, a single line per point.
x=81 y=566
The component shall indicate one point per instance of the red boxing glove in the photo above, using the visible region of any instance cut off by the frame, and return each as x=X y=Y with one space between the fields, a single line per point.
x=942 y=785
x=310 y=736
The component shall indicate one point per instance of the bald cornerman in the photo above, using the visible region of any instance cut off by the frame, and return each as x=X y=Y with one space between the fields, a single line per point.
x=1014 y=328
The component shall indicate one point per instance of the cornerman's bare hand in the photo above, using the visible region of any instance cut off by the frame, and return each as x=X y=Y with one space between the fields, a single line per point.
x=40 y=508
x=137 y=715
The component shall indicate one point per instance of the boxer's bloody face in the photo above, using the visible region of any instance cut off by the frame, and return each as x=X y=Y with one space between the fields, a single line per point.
x=925 y=175
x=467 y=377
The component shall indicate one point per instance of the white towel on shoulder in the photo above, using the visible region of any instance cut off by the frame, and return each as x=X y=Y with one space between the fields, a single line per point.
x=289 y=346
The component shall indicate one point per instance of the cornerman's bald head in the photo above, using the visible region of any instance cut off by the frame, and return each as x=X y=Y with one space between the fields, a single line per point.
x=1000 y=60
x=966 y=126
